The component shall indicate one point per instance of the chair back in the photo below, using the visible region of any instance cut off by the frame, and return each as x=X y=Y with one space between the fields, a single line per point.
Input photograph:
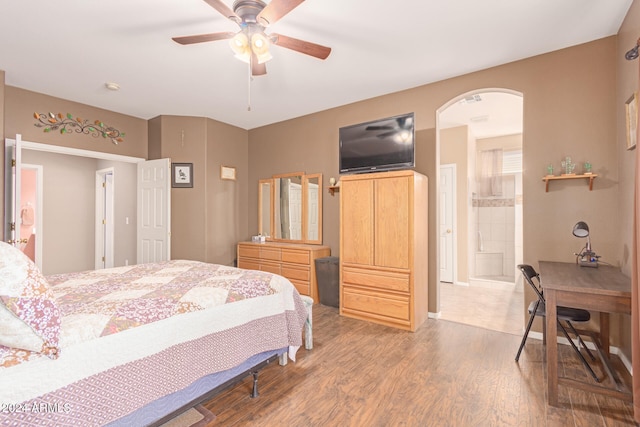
x=529 y=274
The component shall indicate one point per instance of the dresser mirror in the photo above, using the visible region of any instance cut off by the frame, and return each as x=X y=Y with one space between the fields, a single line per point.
x=290 y=208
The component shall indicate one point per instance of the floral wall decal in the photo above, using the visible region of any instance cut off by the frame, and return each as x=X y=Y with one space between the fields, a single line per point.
x=68 y=123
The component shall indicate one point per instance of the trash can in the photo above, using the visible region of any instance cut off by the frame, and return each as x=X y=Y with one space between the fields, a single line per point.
x=327 y=276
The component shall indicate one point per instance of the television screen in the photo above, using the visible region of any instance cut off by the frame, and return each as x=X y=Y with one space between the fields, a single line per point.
x=378 y=145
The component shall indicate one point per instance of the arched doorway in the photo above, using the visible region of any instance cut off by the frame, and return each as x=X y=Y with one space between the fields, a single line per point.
x=480 y=209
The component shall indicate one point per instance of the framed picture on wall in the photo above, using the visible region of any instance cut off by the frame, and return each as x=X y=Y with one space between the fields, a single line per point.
x=631 y=109
x=228 y=172
x=182 y=175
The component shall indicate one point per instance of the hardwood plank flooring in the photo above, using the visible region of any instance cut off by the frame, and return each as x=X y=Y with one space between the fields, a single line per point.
x=444 y=374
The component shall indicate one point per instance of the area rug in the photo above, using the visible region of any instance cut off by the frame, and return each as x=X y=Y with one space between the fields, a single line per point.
x=198 y=416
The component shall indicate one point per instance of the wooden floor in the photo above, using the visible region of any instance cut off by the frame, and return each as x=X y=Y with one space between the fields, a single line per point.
x=444 y=374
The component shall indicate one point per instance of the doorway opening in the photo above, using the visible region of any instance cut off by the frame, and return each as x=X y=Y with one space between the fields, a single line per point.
x=31 y=231
x=481 y=134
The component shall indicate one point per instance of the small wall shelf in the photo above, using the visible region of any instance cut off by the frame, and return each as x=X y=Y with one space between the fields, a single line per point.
x=333 y=189
x=589 y=176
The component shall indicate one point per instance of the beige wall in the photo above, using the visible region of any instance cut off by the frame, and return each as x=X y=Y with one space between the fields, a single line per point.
x=627 y=84
x=20 y=105
x=209 y=219
x=68 y=234
x=454 y=149
x=68 y=226
x=569 y=109
x=227 y=201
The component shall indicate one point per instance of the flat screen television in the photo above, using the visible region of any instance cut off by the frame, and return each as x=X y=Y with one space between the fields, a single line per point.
x=379 y=145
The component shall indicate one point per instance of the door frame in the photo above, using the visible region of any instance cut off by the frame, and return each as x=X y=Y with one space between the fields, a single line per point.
x=37 y=146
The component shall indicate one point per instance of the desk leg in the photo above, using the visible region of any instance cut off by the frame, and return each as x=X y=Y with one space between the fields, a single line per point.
x=604 y=333
x=552 y=347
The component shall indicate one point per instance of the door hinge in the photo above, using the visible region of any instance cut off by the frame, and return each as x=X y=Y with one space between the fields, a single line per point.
x=104 y=222
x=104 y=185
x=13 y=163
x=103 y=259
x=13 y=226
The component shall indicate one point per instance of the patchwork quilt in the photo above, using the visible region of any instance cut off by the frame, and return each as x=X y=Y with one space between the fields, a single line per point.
x=130 y=335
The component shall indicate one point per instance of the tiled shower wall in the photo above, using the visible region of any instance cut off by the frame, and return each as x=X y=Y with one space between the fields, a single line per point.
x=497 y=250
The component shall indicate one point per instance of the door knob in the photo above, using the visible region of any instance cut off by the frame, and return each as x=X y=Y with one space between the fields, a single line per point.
x=448 y=231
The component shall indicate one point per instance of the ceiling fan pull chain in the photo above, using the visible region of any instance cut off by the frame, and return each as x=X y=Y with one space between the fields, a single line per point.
x=249 y=87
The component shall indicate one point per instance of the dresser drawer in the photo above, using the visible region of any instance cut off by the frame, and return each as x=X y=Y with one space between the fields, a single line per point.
x=302 y=287
x=393 y=306
x=271 y=267
x=248 y=252
x=376 y=279
x=296 y=256
x=248 y=264
x=270 y=253
x=294 y=272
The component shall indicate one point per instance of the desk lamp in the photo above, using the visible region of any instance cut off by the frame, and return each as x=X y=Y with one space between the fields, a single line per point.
x=586 y=258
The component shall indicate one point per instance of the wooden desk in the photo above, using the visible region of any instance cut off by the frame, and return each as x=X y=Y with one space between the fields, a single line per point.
x=604 y=289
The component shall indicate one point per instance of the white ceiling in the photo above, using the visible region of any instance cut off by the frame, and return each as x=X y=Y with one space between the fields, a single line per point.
x=71 y=48
x=487 y=114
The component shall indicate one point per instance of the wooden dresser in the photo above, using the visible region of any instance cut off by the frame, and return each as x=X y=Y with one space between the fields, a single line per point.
x=294 y=261
x=383 y=248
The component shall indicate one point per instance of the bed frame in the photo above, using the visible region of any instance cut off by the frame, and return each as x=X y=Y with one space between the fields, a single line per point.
x=202 y=390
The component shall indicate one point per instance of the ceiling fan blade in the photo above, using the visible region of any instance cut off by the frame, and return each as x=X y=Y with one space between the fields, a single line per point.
x=308 y=48
x=223 y=9
x=276 y=10
x=201 y=38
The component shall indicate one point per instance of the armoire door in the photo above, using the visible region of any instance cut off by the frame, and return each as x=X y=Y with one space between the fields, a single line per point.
x=356 y=211
x=392 y=231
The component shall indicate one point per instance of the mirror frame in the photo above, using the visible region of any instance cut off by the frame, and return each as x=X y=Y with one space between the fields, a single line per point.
x=305 y=200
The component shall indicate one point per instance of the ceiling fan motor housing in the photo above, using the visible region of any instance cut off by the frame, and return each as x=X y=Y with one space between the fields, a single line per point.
x=248 y=10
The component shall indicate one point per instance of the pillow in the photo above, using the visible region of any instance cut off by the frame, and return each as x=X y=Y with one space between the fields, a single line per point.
x=29 y=316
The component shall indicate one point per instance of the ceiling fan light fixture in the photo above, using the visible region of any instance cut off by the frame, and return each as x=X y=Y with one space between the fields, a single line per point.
x=240 y=46
x=260 y=46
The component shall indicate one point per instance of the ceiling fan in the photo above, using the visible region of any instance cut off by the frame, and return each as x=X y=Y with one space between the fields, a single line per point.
x=251 y=43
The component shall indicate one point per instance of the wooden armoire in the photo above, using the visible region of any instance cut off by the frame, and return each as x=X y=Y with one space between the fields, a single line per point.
x=383 y=248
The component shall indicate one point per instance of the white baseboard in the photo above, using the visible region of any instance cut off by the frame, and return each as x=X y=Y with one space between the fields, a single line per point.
x=462 y=284
x=434 y=315
x=613 y=349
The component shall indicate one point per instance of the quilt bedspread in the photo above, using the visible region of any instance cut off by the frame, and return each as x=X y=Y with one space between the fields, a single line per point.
x=117 y=299
x=133 y=334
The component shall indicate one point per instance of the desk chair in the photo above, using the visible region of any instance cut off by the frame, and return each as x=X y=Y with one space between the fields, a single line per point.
x=565 y=314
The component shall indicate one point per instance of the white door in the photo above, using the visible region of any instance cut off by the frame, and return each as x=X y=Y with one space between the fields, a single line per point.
x=12 y=189
x=313 y=227
x=295 y=211
x=105 y=221
x=154 y=211
x=447 y=214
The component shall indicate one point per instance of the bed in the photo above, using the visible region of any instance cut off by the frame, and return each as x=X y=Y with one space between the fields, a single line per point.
x=129 y=345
